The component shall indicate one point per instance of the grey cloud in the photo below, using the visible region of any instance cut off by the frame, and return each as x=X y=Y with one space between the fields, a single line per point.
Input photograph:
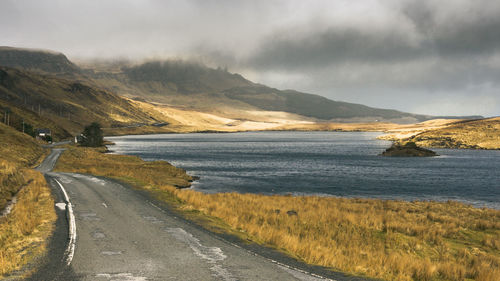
x=473 y=29
x=358 y=51
x=335 y=46
x=481 y=37
x=471 y=33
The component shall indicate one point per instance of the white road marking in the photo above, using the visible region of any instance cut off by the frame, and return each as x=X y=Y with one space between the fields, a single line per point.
x=61 y=206
x=92 y=179
x=111 y=253
x=301 y=275
x=279 y=264
x=211 y=254
x=70 y=250
x=121 y=277
x=152 y=219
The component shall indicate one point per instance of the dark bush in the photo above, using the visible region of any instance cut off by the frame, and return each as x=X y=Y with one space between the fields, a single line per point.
x=92 y=135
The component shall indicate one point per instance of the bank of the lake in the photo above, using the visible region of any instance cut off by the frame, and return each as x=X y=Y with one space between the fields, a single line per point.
x=345 y=164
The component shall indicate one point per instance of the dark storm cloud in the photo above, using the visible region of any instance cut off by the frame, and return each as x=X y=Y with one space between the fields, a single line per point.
x=471 y=32
x=334 y=46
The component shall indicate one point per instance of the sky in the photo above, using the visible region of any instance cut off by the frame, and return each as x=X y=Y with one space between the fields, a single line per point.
x=420 y=56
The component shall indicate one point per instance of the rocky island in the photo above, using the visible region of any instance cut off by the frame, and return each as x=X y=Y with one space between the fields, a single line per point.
x=409 y=149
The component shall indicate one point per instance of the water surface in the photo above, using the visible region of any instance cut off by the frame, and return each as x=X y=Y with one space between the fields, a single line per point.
x=323 y=163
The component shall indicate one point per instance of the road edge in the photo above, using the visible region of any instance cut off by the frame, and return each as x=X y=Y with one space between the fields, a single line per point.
x=270 y=254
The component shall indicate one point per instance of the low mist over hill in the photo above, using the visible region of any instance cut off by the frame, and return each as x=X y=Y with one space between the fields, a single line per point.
x=196 y=86
x=37 y=60
x=47 y=84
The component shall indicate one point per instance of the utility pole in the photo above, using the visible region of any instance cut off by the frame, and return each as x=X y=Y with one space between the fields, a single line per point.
x=6 y=116
x=23 y=125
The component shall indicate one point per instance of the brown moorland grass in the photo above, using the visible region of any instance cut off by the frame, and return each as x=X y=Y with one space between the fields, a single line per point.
x=393 y=240
x=478 y=134
x=129 y=168
x=17 y=151
x=24 y=231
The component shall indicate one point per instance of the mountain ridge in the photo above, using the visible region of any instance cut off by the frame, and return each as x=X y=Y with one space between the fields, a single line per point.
x=37 y=60
x=152 y=82
x=195 y=86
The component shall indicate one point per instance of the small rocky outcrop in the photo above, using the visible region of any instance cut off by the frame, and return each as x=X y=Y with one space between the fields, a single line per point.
x=409 y=149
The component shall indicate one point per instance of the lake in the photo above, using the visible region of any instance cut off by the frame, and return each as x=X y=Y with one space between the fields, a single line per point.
x=321 y=163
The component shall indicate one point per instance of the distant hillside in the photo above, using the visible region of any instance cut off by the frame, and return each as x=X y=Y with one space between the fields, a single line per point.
x=311 y=105
x=197 y=87
x=36 y=60
x=45 y=101
x=185 y=77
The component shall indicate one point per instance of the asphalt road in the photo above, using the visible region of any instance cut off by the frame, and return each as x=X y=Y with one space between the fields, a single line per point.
x=106 y=230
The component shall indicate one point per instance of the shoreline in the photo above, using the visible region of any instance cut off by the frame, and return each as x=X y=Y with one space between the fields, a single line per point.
x=402 y=132
x=405 y=198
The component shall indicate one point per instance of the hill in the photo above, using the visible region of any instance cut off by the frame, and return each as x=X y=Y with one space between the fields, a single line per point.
x=45 y=89
x=197 y=87
x=63 y=105
x=37 y=60
x=314 y=105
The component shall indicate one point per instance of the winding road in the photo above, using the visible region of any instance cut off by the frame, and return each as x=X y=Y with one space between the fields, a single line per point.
x=108 y=231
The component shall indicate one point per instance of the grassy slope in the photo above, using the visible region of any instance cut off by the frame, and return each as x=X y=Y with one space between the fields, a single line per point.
x=484 y=134
x=23 y=233
x=68 y=103
x=18 y=114
x=478 y=134
x=17 y=151
x=393 y=240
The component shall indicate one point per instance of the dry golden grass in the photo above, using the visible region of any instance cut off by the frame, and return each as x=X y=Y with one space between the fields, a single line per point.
x=484 y=134
x=130 y=168
x=393 y=240
x=183 y=120
x=17 y=151
x=479 y=134
x=24 y=232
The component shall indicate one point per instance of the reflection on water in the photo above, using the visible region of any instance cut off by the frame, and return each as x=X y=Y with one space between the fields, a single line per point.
x=325 y=163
